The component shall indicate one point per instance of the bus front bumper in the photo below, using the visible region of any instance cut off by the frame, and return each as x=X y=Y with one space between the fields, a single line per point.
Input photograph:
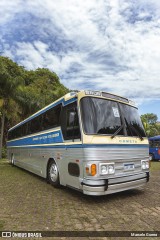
x=108 y=186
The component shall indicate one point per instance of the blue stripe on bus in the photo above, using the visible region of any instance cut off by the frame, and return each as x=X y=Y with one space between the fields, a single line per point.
x=64 y=103
x=85 y=146
x=46 y=138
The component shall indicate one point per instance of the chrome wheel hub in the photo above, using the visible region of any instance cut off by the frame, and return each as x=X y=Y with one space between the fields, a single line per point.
x=53 y=172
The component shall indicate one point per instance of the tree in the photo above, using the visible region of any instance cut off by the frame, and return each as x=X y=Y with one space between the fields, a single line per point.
x=41 y=88
x=10 y=80
x=150 y=118
x=23 y=92
x=149 y=121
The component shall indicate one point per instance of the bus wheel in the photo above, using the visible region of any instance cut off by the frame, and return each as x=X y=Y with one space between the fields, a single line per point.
x=53 y=174
x=12 y=160
x=151 y=157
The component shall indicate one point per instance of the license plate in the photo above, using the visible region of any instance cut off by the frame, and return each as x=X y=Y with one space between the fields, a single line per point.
x=128 y=166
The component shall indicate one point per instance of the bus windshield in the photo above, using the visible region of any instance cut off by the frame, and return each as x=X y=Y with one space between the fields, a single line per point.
x=101 y=116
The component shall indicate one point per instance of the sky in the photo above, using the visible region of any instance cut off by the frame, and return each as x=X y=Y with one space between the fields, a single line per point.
x=108 y=45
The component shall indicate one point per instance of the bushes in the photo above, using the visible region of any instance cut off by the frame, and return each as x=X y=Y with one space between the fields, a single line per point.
x=4 y=152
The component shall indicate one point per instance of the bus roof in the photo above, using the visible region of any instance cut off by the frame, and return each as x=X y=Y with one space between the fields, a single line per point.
x=155 y=137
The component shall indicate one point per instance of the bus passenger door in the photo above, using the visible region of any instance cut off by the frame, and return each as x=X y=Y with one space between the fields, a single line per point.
x=71 y=161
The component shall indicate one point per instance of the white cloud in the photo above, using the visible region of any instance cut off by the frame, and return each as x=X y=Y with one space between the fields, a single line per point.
x=8 y=9
x=110 y=45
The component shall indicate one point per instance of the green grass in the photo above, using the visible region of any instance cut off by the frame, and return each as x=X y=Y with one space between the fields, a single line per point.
x=1 y=225
x=155 y=166
x=3 y=160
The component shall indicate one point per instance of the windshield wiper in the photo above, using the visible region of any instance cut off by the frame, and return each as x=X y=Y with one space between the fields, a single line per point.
x=131 y=127
x=118 y=130
x=136 y=131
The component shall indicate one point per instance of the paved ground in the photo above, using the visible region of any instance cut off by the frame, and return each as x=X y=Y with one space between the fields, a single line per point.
x=28 y=203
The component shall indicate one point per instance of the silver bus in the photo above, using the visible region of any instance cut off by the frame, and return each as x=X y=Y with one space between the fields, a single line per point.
x=91 y=141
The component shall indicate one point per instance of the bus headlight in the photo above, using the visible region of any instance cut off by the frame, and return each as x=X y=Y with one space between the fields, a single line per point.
x=107 y=168
x=111 y=169
x=104 y=169
x=145 y=164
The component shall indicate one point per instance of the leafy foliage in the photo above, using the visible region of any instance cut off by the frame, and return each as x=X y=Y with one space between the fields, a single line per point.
x=41 y=88
x=11 y=77
x=150 y=124
x=150 y=118
x=24 y=92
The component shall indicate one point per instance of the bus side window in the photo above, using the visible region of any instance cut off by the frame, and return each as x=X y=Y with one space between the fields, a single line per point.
x=51 y=118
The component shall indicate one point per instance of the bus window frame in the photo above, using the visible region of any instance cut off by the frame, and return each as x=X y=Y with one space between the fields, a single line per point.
x=64 y=119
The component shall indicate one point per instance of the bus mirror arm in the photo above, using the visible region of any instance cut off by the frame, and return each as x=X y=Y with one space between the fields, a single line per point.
x=74 y=123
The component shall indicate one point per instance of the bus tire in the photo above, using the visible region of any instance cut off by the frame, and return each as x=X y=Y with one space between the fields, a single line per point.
x=151 y=157
x=12 y=160
x=53 y=174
